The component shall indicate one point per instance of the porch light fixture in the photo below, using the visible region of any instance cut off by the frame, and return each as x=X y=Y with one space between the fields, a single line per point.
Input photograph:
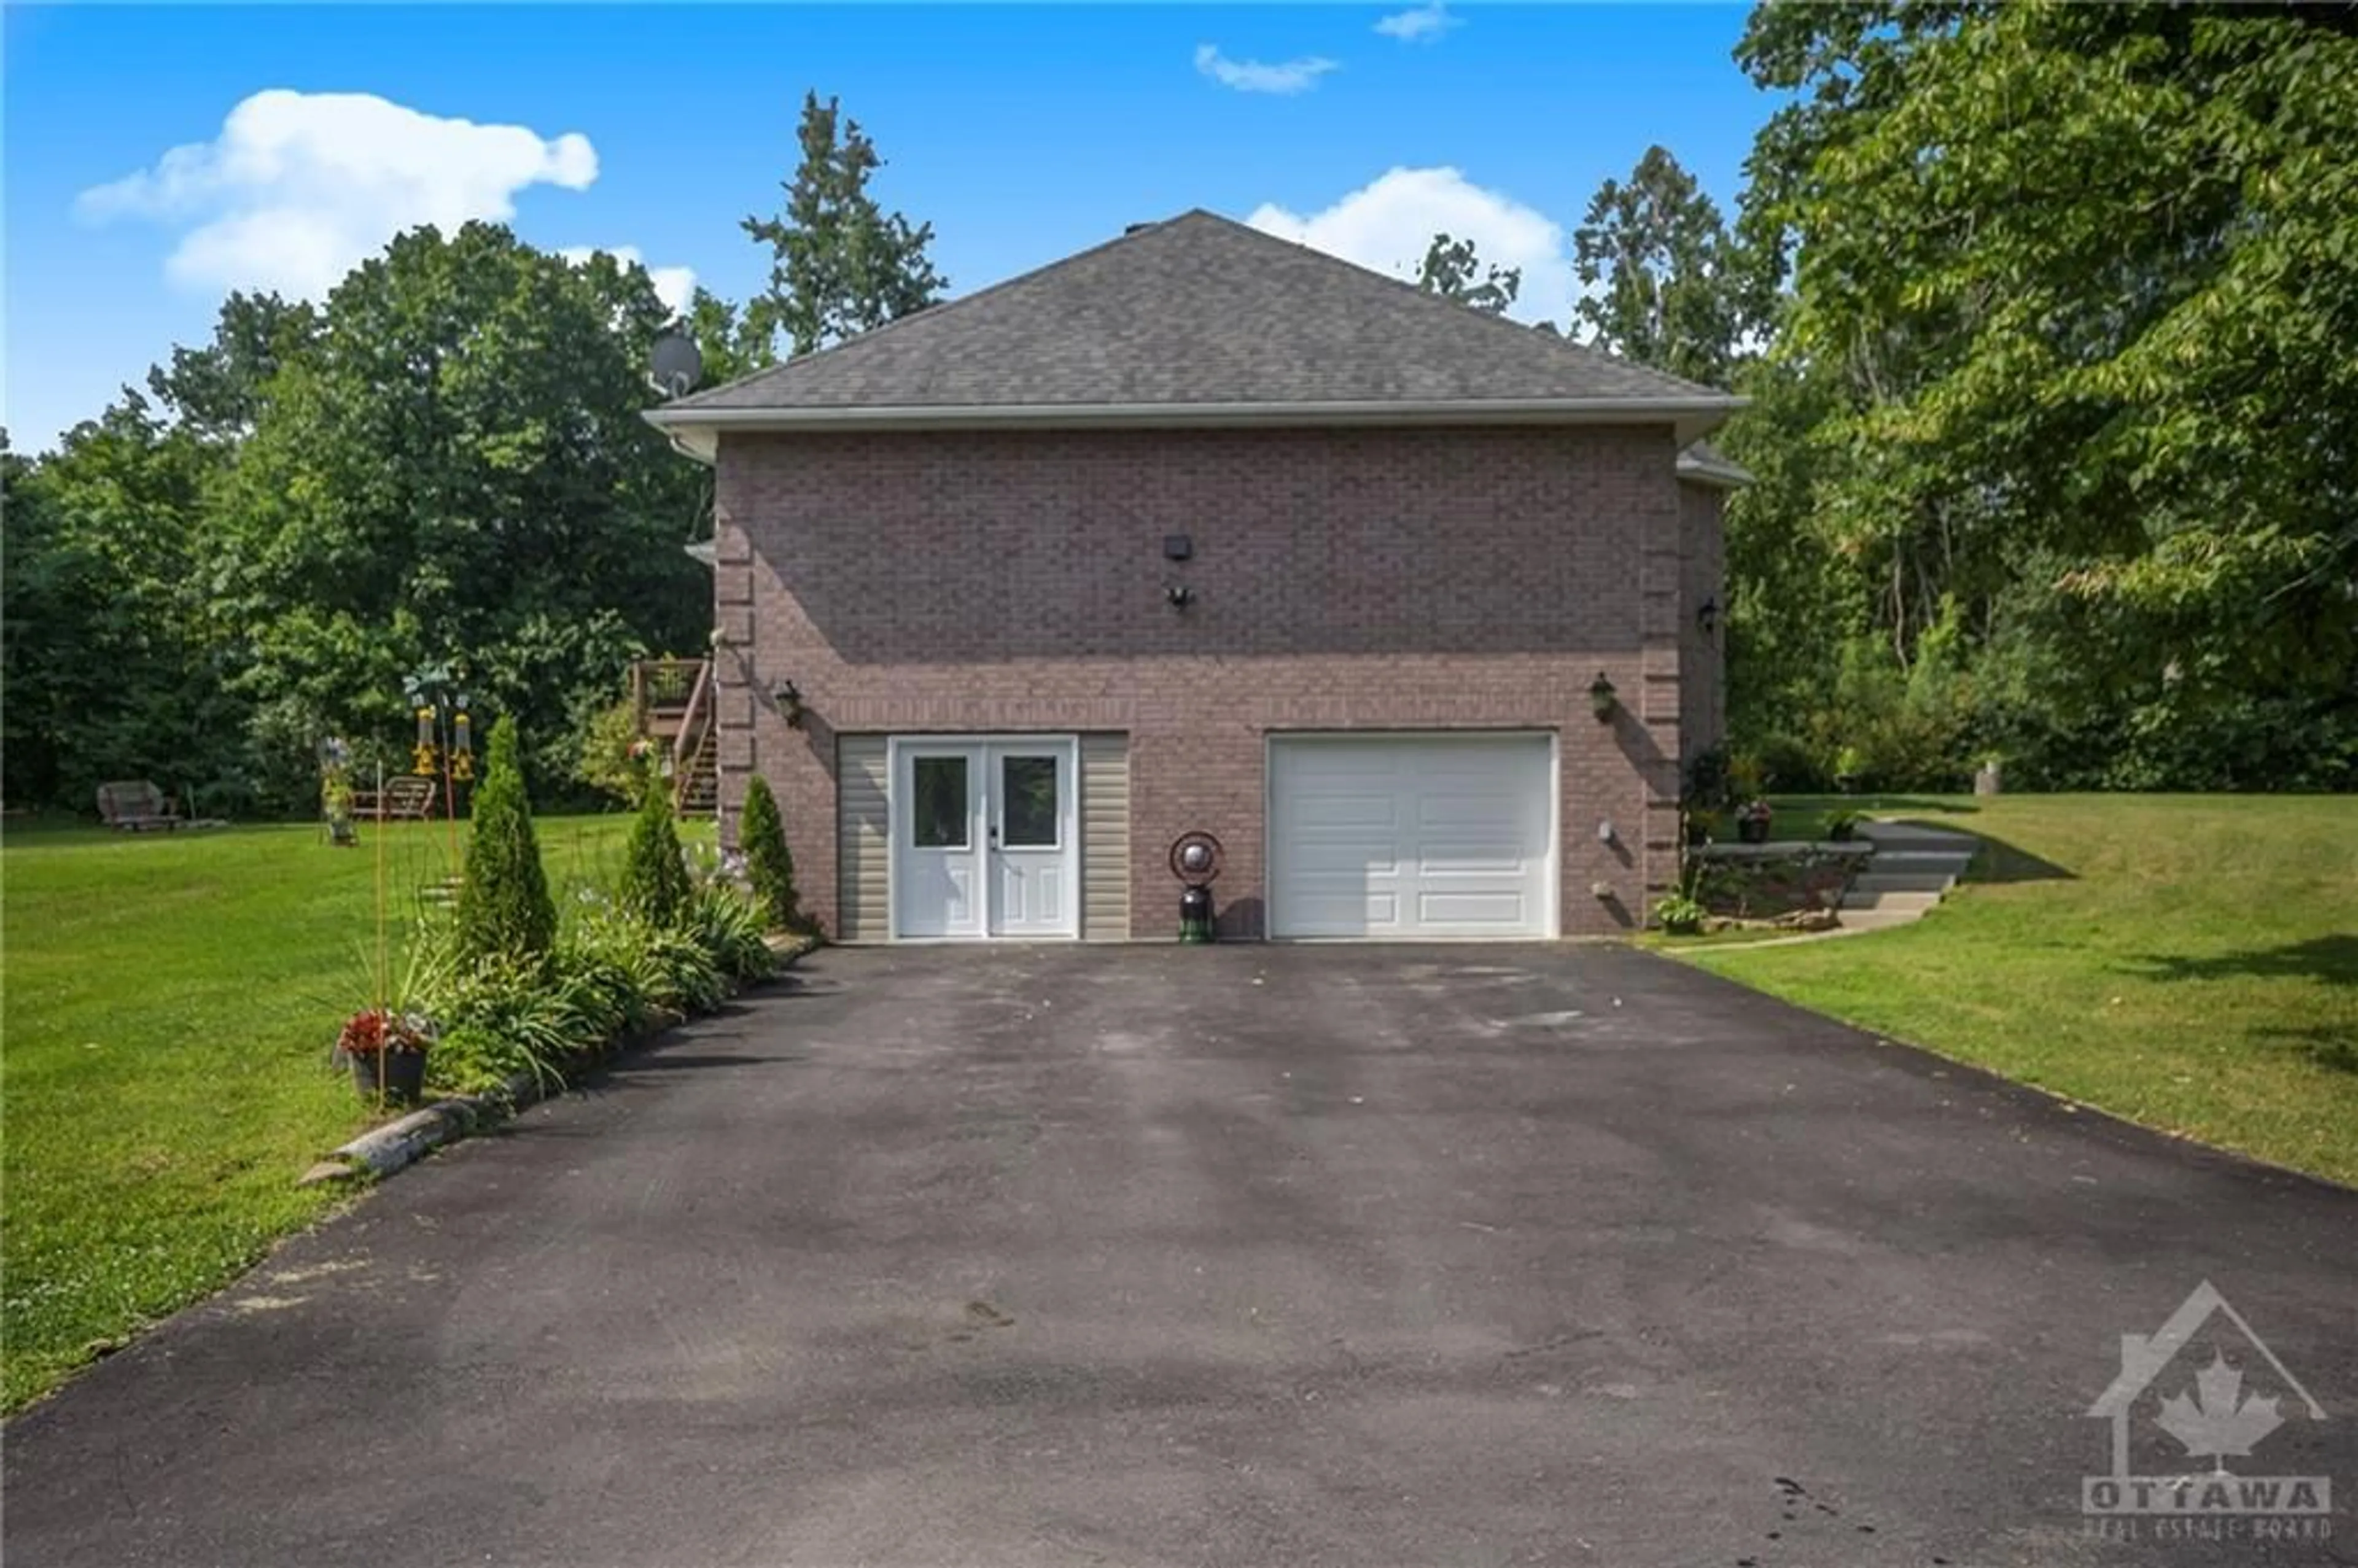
x=1602 y=697
x=1707 y=616
x=789 y=698
x=1179 y=595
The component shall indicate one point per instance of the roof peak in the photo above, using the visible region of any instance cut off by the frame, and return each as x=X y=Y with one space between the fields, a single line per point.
x=1199 y=309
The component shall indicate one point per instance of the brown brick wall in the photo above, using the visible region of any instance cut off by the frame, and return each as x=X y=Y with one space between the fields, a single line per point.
x=1403 y=579
x=1704 y=693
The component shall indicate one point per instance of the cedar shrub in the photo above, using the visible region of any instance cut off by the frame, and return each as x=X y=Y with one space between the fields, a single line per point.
x=655 y=885
x=769 y=864
x=504 y=909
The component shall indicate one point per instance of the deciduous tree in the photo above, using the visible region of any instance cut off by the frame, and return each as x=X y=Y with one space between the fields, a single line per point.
x=1670 y=290
x=2080 y=283
x=455 y=473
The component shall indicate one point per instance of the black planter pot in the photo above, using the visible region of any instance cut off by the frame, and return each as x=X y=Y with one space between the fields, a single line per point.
x=1749 y=831
x=403 y=1080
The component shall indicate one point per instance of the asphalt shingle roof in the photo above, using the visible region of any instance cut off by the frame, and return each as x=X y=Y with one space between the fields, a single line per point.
x=1198 y=309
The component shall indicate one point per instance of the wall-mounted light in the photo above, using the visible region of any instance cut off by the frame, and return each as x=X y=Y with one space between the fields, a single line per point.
x=1179 y=595
x=789 y=698
x=1602 y=697
x=1707 y=616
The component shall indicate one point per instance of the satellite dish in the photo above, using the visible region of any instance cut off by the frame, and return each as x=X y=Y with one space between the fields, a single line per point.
x=676 y=364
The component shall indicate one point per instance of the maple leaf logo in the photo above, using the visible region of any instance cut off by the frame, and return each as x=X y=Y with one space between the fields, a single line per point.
x=2217 y=1421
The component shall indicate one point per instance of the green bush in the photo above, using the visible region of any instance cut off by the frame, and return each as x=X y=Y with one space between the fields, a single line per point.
x=769 y=864
x=605 y=763
x=499 y=1016
x=504 y=909
x=1787 y=767
x=1679 y=914
x=655 y=885
x=687 y=980
x=730 y=925
x=668 y=969
x=1894 y=728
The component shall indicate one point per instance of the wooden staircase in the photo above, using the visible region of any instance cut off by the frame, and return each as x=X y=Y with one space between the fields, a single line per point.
x=675 y=702
x=696 y=780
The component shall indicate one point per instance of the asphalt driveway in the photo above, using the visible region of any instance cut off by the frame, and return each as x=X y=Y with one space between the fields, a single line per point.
x=1240 y=1255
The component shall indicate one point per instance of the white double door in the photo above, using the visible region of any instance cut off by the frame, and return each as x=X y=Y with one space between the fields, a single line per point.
x=986 y=838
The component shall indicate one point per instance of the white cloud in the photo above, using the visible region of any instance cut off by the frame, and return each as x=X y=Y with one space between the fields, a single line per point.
x=300 y=187
x=1252 y=76
x=1422 y=24
x=674 y=285
x=1389 y=224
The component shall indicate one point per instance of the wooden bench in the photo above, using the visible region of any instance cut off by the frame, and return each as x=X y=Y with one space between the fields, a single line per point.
x=405 y=797
x=135 y=805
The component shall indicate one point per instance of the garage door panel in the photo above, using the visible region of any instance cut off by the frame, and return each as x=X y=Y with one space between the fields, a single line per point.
x=1339 y=810
x=1508 y=911
x=1411 y=836
x=1323 y=866
x=1497 y=815
x=1360 y=912
x=1441 y=865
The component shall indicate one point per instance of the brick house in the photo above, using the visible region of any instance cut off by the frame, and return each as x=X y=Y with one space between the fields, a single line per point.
x=1203 y=530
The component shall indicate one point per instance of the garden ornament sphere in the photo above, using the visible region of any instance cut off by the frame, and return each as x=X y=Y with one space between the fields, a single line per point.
x=1196 y=860
x=1195 y=857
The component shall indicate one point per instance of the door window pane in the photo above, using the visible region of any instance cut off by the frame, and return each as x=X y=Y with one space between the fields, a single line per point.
x=1028 y=810
x=940 y=814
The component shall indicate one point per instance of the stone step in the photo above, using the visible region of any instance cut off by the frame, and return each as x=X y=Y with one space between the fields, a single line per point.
x=1874 y=919
x=1899 y=834
x=1889 y=903
x=1948 y=866
x=1913 y=879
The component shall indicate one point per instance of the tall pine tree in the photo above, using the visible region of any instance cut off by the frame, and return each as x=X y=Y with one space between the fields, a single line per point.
x=840 y=264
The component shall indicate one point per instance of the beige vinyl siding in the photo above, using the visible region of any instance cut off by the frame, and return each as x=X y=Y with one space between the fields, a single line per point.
x=1104 y=837
x=863 y=825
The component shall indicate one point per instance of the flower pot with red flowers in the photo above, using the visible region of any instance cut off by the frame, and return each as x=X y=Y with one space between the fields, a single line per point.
x=1752 y=822
x=388 y=1052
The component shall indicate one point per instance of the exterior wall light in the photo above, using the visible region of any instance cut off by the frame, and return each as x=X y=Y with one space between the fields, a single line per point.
x=1707 y=616
x=789 y=698
x=1180 y=595
x=1602 y=697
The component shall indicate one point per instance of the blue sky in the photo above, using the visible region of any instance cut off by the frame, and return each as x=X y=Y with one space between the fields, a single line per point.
x=1022 y=134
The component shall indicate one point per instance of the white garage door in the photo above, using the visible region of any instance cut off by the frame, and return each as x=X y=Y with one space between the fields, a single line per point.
x=1410 y=836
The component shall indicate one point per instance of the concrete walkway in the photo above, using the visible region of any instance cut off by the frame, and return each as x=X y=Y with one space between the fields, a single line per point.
x=1913 y=869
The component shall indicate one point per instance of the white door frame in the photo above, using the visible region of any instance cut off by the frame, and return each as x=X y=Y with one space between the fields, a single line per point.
x=983 y=812
x=1555 y=880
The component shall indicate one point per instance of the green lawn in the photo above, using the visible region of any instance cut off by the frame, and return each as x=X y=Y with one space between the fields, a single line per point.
x=2187 y=962
x=172 y=1002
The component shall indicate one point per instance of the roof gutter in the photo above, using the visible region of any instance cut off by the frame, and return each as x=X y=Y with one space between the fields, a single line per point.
x=1718 y=473
x=696 y=430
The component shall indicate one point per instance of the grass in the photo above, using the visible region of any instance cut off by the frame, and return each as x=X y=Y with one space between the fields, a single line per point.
x=172 y=1002
x=2186 y=962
